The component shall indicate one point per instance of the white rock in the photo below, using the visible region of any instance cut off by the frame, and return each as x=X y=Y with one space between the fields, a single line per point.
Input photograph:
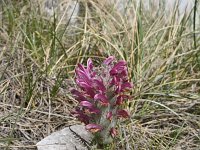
x=66 y=139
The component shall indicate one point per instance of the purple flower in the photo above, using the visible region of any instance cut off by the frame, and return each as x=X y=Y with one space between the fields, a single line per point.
x=122 y=113
x=99 y=85
x=122 y=87
x=87 y=88
x=89 y=68
x=81 y=116
x=109 y=115
x=78 y=95
x=113 y=132
x=118 y=68
x=86 y=104
x=89 y=65
x=126 y=85
x=115 y=81
x=93 y=128
x=102 y=99
x=84 y=76
x=90 y=108
x=108 y=60
x=121 y=99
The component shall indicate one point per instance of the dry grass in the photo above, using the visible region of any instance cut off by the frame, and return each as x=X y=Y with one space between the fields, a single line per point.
x=37 y=59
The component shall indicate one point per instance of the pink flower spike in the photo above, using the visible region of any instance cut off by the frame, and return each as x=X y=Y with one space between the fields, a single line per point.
x=100 y=92
x=103 y=99
x=108 y=60
x=122 y=113
x=93 y=128
x=113 y=132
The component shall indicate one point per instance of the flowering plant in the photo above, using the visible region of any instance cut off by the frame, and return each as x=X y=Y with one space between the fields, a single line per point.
x=100 y=93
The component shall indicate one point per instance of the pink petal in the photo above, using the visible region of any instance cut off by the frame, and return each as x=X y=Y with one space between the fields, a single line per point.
x=103 y=99
x=124 y=73
x=93 y=128
x=121 y=99
x=90 y=92
x=87 y=88
x=126 y=85
x=115 y=81
x=108 y=60
x=81 y=116
x=89 y=65
x=109 y=115
x=94 y=111
x=84 y=76
x=82 y=83
x=113 y=132
x=78 y=95
x=99 y=85
x=90 y=109
x=123 y=87
x=119 y=67
x=86 y=104
x=122 y=113
x=81 y=67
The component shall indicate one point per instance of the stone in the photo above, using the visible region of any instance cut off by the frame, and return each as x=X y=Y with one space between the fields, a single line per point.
x=74 y=137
